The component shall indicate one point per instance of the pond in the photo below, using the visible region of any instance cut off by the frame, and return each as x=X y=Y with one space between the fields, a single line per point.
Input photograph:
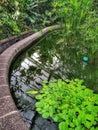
x=50 y=58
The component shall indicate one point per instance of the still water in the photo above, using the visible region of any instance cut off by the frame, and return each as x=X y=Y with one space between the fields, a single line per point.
x=48 y=59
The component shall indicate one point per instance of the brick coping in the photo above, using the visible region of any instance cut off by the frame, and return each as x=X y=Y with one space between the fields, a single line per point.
x=10 y=118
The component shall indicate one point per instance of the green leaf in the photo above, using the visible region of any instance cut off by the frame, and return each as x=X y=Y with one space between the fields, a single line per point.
x=79 y=128
x=63 y=126
x=88 y=124
x=39 y=96
x=92 y=128
x=31 y=92
x=72 y=124
x=45 y=115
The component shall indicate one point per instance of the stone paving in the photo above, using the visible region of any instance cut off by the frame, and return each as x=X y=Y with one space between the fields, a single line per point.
x=10 y=118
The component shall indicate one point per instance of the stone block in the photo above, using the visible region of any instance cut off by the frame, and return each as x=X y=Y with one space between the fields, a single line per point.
x=6 y=105
x=4 y=91
x=12 y=121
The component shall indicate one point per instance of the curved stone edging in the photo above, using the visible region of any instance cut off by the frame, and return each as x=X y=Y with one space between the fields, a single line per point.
x=10 y=118
x=5 y=43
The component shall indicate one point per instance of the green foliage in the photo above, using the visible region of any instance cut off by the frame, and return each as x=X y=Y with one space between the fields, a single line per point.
x=12 y=21
x=74 y=15
x=31 y=92
x=19 y=15
x=69 y=103
x=80 y=24
x=79 y=18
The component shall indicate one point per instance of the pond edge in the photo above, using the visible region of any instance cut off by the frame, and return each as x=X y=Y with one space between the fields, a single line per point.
x=10 y=118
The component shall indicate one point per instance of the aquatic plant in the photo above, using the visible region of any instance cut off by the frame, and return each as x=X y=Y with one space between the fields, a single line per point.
x=80 y=21
x=69 y=103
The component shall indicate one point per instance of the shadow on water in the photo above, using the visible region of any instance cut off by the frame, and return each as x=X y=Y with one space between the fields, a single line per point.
x=49 y=59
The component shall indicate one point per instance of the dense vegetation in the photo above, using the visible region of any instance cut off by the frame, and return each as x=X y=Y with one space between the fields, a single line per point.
x=72 y=104
x=79 y=20
x=20 y=15
x=17 y=16
x=69 y=103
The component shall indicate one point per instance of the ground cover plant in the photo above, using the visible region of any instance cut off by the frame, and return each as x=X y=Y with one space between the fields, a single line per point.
x=70 y=103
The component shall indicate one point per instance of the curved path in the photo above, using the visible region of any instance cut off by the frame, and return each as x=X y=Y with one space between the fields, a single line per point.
x=10 y=118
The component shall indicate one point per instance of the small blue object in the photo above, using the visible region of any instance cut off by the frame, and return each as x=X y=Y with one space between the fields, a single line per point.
x=85 y=59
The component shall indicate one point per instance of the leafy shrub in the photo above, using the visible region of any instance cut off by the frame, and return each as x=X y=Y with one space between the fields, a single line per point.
x=80 y=20
x=20 y=15
x=69 y=103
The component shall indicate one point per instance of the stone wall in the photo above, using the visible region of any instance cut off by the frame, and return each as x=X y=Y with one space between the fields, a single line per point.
x=10 y=118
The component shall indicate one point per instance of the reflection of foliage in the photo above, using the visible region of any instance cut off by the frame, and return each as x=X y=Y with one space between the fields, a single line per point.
x=70 y=60
x=48 y=47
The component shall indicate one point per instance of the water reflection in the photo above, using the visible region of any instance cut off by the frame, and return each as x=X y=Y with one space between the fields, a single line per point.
x=47 y=61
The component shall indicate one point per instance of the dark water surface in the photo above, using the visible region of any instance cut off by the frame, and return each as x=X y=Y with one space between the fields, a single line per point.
x=47 y=60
